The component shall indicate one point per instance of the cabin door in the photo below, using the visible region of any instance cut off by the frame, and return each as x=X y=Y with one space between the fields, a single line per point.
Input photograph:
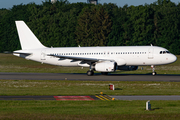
x=150 y=53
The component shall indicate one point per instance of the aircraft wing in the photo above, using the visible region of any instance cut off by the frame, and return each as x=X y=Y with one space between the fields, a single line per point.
x=79 y=58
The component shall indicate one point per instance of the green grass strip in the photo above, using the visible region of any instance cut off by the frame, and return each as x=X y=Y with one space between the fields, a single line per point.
x=65 y=87
x=88 y=110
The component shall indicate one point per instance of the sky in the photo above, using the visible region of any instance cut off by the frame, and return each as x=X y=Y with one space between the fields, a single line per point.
x=9 y=3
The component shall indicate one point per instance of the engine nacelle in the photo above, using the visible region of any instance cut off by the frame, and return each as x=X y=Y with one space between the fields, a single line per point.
x=106 y=66
x=127 y=68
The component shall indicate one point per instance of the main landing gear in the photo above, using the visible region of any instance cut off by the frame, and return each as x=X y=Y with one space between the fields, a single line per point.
x=153 y=69
x=90 y=72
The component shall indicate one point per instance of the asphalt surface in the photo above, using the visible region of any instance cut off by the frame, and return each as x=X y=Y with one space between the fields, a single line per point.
x=84 y=77
x=89 y=98
x=59 y=98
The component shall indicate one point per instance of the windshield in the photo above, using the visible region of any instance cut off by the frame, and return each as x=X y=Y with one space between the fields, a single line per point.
x=164 y=52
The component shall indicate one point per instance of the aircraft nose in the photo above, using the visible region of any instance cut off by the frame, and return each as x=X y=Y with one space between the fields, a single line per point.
x=173 y=58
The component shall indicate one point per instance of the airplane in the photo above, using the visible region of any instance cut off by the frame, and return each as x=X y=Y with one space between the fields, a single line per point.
x=101 y=59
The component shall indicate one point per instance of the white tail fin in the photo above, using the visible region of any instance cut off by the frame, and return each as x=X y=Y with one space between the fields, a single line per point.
x=27 y=39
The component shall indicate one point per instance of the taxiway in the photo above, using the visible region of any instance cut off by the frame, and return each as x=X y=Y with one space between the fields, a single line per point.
x=84 y=77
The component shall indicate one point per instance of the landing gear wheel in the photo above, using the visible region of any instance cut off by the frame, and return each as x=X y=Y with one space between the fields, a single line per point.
x=153 y=69
x=104 y=73
x=90 y=73
x=154 y=73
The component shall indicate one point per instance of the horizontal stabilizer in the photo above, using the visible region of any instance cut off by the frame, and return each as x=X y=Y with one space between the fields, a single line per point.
x=22 y=52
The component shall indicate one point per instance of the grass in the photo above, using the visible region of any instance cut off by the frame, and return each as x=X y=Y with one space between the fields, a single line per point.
x=10 y=63
x=80 y=110
x=56 y=87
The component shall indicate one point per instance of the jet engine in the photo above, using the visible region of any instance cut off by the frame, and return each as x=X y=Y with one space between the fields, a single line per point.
x=106 y=66
x=127 y=68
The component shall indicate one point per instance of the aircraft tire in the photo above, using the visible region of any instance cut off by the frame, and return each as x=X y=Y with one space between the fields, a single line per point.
x=154 y=73
x=90 y=73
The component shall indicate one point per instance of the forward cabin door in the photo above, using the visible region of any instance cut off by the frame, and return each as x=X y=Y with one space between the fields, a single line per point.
x=150 y=53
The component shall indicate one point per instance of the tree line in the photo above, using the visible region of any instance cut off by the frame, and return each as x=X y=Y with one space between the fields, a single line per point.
x=63 y=24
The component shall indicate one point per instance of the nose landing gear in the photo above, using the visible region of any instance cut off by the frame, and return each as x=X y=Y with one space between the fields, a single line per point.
x=153 y=69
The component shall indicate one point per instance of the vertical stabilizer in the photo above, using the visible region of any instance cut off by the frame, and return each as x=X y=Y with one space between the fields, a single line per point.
x=27 y=39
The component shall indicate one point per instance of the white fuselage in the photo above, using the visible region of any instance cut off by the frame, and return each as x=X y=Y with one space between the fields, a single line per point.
x=129 y=56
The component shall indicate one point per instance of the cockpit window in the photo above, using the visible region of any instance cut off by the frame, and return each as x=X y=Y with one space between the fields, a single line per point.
x=164 y=52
